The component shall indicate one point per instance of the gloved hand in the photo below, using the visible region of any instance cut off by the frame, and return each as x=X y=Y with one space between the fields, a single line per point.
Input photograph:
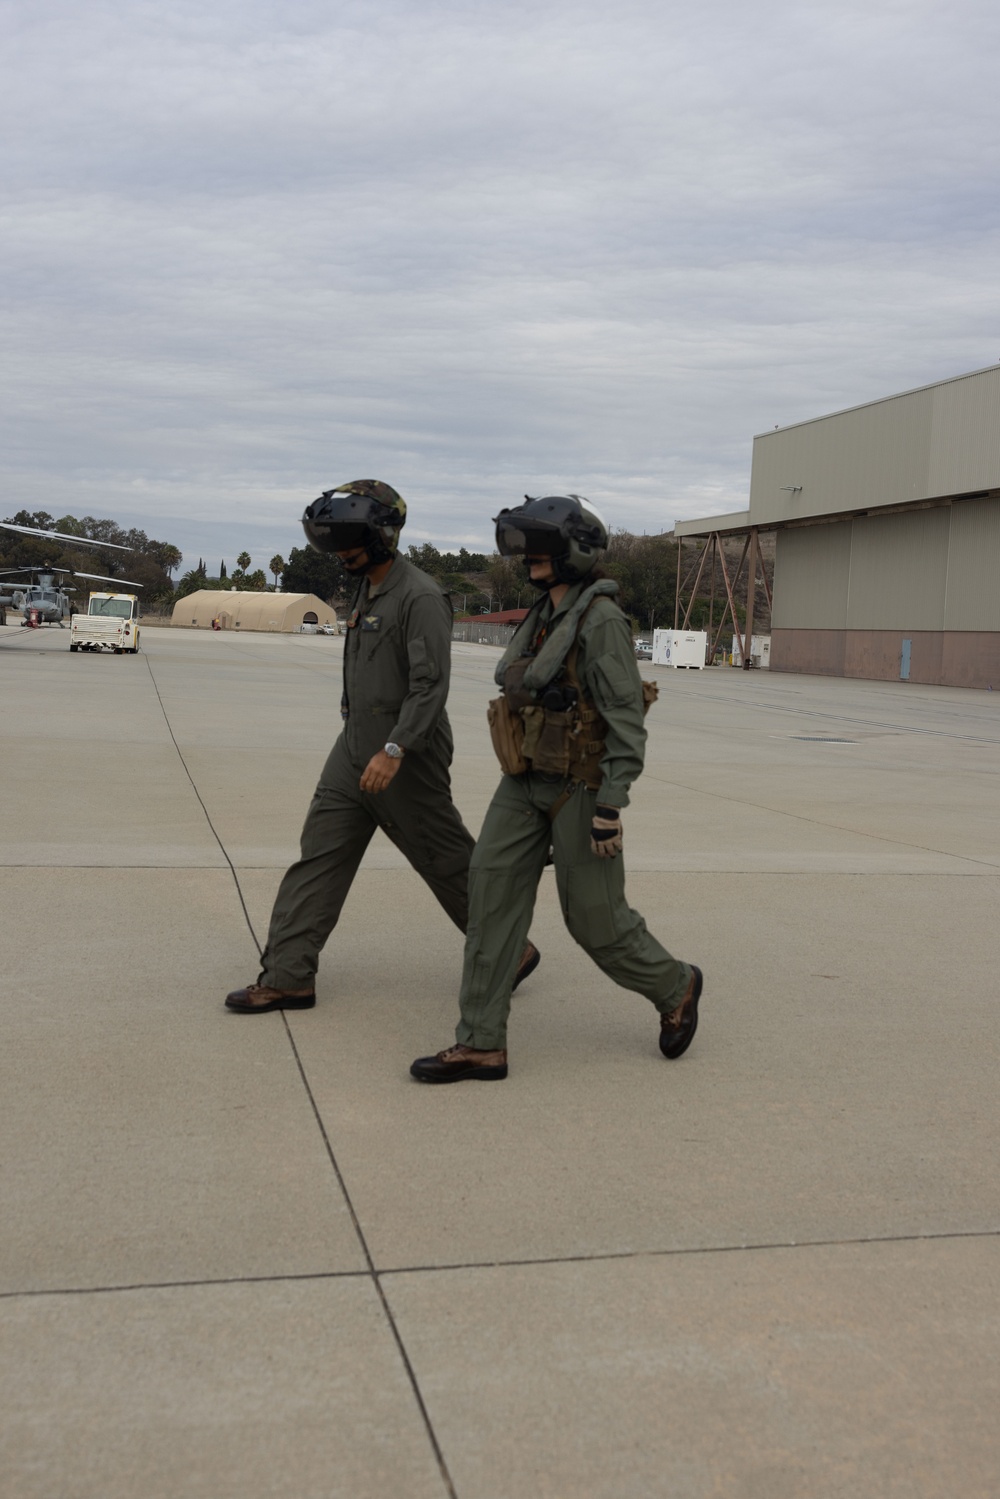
x=606 y=832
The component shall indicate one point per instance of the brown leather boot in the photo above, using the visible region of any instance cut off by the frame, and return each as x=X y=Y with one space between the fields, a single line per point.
x=460 y=1062
x=530 y=960
x=677 y=1029
x=257 y=999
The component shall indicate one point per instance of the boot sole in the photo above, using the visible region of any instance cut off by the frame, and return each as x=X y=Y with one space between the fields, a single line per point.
x=303 y=1002
x=481 y=1074
x=679 y=1047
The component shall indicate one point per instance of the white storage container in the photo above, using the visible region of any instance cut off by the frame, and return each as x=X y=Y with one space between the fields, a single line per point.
x=680 y=648
x=760 y=651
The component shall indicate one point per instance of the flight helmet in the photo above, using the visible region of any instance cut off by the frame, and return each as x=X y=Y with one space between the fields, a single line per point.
x=565 y=527
x=363 y=513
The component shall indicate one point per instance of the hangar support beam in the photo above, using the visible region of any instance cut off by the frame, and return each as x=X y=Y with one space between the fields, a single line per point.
x=693 y=578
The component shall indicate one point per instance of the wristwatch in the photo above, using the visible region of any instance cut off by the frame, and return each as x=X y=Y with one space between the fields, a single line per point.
x=394 y=751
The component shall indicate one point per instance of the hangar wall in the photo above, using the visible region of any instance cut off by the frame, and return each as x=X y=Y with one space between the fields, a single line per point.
x=847 y=595
x=887 y=522
x=933 y=443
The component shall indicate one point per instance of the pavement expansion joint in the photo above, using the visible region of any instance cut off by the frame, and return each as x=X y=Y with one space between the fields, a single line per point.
x=373 y=1273
x=377 y=1274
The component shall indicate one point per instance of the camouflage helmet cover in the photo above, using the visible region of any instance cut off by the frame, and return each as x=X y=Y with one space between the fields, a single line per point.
x=363 y=513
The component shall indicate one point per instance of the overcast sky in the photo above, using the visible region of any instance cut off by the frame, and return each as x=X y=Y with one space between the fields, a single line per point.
x=252 y=250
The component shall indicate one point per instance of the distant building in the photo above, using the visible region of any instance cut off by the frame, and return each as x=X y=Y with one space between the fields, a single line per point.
x=251 y=610
x=887 y=549
x=499 y=617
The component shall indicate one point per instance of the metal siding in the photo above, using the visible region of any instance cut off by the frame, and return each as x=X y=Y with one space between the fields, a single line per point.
x=899 y=569
x=872 y=456
x=965 y=435
x=925 y=444
x=812 y=568
x=973 y=597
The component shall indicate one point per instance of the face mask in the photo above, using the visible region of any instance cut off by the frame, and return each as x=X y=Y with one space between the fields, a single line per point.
x=362 y=563
x=542 y=584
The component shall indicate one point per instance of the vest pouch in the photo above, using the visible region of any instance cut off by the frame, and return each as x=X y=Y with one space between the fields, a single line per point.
x=532 y=718
x=507 y=734
x=551 y=751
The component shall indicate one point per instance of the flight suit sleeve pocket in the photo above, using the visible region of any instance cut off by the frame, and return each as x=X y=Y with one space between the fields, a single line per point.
x=614 y=685
x=421 y=666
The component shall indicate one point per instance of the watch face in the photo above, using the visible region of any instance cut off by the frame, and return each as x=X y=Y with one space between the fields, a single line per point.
x=393 y=751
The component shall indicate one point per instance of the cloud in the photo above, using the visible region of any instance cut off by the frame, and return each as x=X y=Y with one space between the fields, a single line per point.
x=474 y=250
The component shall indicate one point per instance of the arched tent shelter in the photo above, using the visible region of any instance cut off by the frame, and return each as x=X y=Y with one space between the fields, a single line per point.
x=282 y=612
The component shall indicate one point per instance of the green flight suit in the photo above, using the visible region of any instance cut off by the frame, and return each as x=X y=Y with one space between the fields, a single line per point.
x=514 y=843
x=397 y=659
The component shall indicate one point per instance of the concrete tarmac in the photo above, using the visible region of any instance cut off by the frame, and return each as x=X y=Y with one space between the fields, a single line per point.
x=248 y=1257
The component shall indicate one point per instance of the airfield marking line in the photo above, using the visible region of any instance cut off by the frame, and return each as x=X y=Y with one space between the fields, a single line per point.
x=201 y=803
x=371 y=1271
x=944 y=1236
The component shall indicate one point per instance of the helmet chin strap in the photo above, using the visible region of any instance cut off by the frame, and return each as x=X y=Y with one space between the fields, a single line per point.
x=374 y=554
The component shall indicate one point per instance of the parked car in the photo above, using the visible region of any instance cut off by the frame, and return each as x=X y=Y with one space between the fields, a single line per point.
x=644 y=650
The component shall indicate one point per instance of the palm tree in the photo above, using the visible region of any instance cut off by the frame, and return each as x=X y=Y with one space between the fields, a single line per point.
x=243 y=561
x=276 y=567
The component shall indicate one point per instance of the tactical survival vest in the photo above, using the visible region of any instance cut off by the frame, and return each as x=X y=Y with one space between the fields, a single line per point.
x=563 y=733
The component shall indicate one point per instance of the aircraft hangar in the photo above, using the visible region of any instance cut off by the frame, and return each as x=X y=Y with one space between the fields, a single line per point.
x=887 y=546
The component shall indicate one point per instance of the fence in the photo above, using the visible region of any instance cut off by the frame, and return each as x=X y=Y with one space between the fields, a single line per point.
x=476 y=634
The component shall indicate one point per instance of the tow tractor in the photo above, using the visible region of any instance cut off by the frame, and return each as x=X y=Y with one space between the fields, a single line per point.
x=111 y=623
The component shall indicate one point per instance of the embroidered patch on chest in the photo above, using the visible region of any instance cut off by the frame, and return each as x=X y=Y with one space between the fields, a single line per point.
x=371 y=622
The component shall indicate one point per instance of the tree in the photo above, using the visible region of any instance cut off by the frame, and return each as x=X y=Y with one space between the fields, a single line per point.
x=427 y=558
x=243 y=561
x=190 y=583
x=41 y=519
x=257 y=580
x=222 y=569
x=645 y=569
x=276 y=567
x=505 y=580
x=168 y=557
x=310 y=571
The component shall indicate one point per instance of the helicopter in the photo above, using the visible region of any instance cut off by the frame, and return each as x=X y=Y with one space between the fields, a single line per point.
x=40 y=598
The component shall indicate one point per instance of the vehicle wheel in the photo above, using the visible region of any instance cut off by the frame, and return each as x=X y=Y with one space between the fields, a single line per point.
x=73 y=647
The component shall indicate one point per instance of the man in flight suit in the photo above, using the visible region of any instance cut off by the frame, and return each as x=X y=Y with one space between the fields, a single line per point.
x=389 y=769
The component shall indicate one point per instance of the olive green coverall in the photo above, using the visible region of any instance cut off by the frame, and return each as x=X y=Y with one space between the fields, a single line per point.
x=514 y=843
x=397 y=659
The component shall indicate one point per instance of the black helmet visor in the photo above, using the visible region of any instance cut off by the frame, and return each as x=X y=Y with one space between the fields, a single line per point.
x=345 y=535
x=542 y=538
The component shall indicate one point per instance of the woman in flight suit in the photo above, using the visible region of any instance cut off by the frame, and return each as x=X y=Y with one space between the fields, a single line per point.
x=570 y=737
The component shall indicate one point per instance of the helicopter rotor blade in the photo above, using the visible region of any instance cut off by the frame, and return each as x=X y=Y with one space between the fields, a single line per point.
x=97 y=578
x=80 y=541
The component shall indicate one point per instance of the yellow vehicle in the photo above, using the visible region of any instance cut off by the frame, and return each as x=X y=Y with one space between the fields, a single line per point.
x=111 y=623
